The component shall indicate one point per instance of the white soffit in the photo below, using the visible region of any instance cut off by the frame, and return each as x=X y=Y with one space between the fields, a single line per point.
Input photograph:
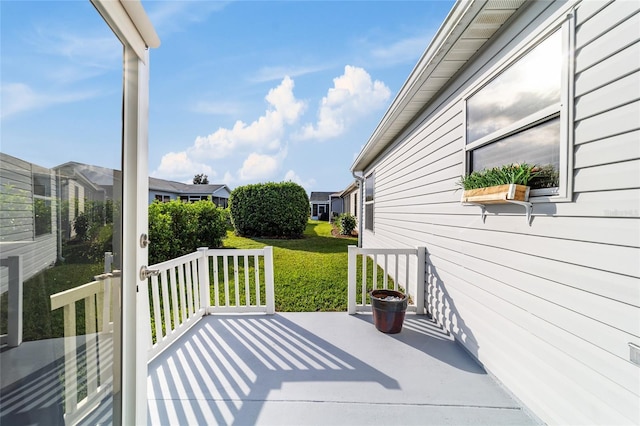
x=469 y=25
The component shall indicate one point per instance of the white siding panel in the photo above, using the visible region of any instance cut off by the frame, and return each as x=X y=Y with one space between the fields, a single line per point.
x=615 y=149
x=611 y=42
x=613 y=231
x=609 y=176
x=620 y=92
x=609 y=17
x=616 y=121
x=617 y=66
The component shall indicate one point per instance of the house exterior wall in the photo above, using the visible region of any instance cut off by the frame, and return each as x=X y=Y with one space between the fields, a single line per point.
x=17 y=220
x=548 y=307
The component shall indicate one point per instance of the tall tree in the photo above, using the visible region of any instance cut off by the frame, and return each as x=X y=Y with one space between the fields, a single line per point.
x=201 y=179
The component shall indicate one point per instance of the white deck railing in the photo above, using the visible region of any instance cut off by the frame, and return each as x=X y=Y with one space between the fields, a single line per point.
x=179 y=295
x=14 y=291
x=99 y=297
x=405 y=267
x=180 y=290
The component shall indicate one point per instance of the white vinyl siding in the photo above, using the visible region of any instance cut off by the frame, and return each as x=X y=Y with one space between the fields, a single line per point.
x=17 y=220
x=549 y=307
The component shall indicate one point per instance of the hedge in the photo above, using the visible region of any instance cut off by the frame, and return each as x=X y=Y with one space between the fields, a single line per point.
x=177 y=228
x=279 y=210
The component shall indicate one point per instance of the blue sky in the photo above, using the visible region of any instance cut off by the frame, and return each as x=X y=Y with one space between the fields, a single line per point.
x=244 y=91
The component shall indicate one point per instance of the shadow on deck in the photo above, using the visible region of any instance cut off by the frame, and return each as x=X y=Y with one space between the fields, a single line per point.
x=321 y=368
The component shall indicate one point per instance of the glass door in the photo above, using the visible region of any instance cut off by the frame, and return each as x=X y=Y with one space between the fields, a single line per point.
x=61 y=205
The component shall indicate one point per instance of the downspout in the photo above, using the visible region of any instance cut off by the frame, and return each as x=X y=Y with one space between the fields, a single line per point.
x=360 y=178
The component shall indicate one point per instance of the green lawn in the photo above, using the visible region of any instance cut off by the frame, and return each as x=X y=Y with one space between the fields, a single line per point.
x=310 y=273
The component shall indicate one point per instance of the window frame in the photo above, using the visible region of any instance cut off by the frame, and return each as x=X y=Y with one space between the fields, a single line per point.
x=369 y=203
x=47 y=199
x=563 y=21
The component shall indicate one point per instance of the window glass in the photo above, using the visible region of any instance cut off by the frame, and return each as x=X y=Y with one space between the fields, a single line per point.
x=528 y=86
x=537 y=145
x=368 y=187
x=368 y=203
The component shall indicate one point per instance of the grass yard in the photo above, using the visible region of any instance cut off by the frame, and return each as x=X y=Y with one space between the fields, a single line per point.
x=310 y=273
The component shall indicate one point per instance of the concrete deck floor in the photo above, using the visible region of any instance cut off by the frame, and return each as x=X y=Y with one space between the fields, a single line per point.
x=322 y=369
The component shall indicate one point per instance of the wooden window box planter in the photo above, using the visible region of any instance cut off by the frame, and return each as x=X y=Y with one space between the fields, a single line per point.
x=500 y=194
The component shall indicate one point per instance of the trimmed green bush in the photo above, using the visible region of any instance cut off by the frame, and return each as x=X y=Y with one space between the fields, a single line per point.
x=279 y=210
x=346 y=223
x=177 y=228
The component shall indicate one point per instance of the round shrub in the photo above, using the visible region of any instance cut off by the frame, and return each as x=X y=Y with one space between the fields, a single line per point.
x=278 y=210
x=346 y=223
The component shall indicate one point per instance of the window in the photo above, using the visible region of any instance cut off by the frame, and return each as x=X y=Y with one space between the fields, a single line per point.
x=355 y=204
x=42 y=204
x=368 y=202
x=519 y=116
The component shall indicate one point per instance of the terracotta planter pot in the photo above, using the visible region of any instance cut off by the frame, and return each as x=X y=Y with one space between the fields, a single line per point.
x=388 y=307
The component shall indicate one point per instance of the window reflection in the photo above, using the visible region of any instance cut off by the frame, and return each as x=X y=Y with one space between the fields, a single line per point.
x=528 y=86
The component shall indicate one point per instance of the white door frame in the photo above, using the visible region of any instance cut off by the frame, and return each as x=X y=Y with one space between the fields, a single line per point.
x=131 y=25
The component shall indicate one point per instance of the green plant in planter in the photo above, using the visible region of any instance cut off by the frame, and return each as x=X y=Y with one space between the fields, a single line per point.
x=517 y=173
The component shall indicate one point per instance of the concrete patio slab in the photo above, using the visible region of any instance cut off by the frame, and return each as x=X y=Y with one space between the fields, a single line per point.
x=322 y=368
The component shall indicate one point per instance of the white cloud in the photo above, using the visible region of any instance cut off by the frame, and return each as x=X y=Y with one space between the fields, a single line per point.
x=292 y=176
x=258 y=167
x=178 y=166
x=19 y=97
x=276 y=73
x=354 y=95
x=175 y=16
x=264 y=133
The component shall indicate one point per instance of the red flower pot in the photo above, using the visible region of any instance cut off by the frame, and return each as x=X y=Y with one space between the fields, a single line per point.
x=388 y=307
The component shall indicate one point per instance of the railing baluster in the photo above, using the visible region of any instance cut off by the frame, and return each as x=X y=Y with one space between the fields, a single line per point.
x=187 y=283
x=157 y=319
x=226 y=281
x=194 y=285
x=182 y=293
x=247 y=294
x=166 y=306
x=256 y=265
x=90 y=344
x=236 y=281
x=364 y=279
x=175 y=307
x=385 y=277
x=216 y=288
x=395 y=277
x=70 y=367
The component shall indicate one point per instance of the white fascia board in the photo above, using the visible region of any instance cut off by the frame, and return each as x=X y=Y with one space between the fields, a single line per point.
x=130 y=23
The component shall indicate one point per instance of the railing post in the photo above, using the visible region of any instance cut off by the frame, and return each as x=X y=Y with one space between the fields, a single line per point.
x=108 y=261
x=203 y=279
x=420 y=280
x=268 y=280
x=351 y=284
x=15 y=301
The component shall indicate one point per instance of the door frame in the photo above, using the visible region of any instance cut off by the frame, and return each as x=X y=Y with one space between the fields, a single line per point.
x=131 y=25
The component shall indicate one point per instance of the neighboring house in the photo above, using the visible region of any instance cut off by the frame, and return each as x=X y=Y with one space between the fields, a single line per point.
x=166 y=190
x=80 y=183
x=29 y=221
x=349 y=198
x=551 y=306
x=324 y=204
